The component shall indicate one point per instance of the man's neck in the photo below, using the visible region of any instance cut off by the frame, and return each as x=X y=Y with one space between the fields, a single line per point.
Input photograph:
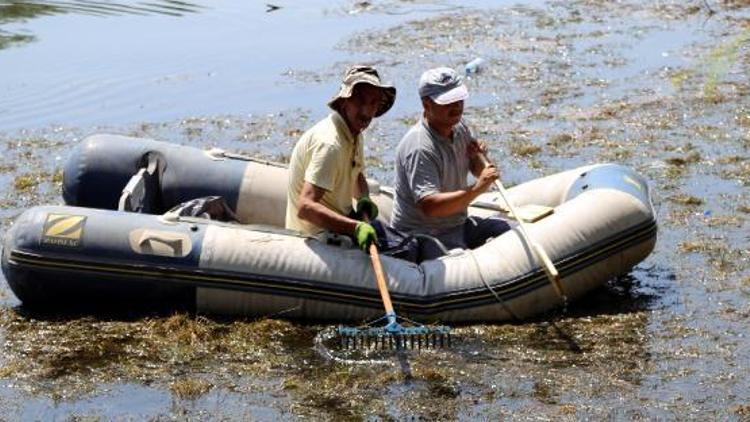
x=348 y=125
x=446 y=131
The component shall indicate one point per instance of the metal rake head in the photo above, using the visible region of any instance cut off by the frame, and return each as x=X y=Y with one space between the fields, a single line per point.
x=394 y=335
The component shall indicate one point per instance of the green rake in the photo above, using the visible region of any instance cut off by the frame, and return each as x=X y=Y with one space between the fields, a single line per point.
x=399 y=333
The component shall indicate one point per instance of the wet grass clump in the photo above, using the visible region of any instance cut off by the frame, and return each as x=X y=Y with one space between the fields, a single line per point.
x=685 y=199
x=86 y=350
x=14 y=40
x=26 y=182
x=523 y=148
x=691 y=158
x=190 y=388
x=721 y=256
x=740 y=172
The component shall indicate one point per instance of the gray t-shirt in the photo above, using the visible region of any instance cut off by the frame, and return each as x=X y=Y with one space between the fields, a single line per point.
x=427 y=163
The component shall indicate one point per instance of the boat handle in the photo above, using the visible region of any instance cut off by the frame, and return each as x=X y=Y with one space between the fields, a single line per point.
x=174 y=244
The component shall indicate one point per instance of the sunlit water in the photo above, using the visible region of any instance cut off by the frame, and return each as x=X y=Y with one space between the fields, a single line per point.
x=104 y=63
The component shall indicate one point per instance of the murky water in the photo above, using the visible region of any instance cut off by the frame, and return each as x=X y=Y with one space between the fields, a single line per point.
x=660 y=87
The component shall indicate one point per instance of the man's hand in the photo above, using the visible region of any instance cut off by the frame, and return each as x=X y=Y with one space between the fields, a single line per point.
x=365 y=235
x=486 y=178
x=475 y=148
x=365 y=207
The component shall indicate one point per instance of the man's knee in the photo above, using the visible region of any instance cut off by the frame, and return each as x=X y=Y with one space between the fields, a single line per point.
x=480 y=230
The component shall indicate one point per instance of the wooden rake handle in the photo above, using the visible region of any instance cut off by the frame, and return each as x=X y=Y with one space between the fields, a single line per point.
x=547 y=265
x=377 y=268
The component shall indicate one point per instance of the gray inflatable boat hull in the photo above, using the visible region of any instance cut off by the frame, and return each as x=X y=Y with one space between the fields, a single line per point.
x=602 y=225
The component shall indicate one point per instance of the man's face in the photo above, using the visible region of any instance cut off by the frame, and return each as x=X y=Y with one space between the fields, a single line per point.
x=447 y=115
x=361 y=107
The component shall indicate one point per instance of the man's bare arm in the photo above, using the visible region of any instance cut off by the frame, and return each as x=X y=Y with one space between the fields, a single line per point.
x=310 y=209
x=360 y=188
x=444 y=204
x=476 y=165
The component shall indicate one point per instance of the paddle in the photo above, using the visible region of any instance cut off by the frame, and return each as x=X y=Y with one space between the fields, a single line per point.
x=547 y=265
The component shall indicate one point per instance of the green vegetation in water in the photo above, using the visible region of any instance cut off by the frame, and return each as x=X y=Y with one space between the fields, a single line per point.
x=19 y=10
x=190 y=388
x=685 y=199
x=715 y=67
x=560 y=139
x=721 y=256
x=524 y=148
x=26 y=182
x=57 y=177
x=692 y=157
x=7 y=168
x=191 y=355
x=740 y=172
x=93 y=350
x=14 y=39
x=719 y=62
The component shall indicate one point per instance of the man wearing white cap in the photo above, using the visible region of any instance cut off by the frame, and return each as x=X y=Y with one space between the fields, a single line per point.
x=327 y=163
x=433 y=161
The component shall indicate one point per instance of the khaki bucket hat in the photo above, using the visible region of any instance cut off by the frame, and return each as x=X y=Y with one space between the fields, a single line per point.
x=361 y=74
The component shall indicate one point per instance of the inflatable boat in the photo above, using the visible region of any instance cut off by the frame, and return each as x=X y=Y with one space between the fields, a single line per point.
x=116 y=240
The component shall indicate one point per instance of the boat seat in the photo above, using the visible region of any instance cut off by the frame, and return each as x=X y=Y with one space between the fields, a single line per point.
x=142 y=192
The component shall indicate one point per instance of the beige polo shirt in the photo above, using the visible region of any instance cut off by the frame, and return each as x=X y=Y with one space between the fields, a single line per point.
x=329 y=157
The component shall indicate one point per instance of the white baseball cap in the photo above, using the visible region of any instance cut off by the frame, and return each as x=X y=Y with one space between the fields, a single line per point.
x=443 y=86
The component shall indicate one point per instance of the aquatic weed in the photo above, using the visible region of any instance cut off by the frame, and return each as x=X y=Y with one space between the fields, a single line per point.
x=692 y=157
x=740 y=172
x=524 y=148
x=190 y=388
x=26 y=182
x=686 y=199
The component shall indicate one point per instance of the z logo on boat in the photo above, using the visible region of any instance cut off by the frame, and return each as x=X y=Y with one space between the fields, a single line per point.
x=63 y=230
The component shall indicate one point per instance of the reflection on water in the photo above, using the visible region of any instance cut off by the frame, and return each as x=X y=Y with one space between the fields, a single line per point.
x=16 y=9
x=94 y=63
x=19 y=10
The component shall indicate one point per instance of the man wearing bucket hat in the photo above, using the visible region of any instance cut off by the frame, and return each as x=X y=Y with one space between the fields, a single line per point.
x=327 y=163
x=433 y=161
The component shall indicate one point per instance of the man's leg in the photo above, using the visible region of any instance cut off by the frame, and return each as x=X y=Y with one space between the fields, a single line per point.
x=478 y=230
x=450 y=239
x=394 y=243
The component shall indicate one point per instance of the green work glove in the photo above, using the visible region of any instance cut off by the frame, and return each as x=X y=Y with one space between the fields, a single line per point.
x=366 y=206
x=365 y=235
